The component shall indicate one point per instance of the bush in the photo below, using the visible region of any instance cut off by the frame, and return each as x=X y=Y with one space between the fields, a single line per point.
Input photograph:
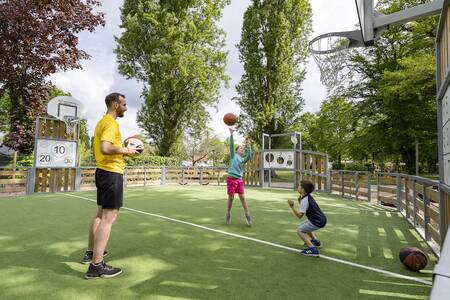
x=357 y=166
x=152 y=160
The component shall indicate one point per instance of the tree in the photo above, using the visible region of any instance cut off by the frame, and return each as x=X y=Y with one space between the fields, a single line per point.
x=38 y=38
x=273 y=49
x=307 y=127
x=334 y=128
x=392 y=84
x=201 y=144
x=176 y=49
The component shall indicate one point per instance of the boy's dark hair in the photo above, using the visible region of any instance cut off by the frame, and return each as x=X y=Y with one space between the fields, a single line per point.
x=113 y=97
x=307 y=185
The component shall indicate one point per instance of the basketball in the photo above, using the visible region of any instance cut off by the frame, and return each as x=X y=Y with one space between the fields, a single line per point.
x=136 y=142
x=413 y=258
x=230 y=119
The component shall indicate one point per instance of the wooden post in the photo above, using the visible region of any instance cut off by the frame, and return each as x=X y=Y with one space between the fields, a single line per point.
x=356 y=185
x=342 y=183
x=369 y=187
x=14 y=164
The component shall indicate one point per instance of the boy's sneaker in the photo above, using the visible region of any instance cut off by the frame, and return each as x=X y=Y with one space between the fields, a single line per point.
x=316 y=243
x=228 y=218
x=312 y=251
x=101 y=270
x=248 y=219
x=87 y=258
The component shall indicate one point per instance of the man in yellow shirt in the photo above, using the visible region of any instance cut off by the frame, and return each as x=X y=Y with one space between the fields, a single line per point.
x=108 y=153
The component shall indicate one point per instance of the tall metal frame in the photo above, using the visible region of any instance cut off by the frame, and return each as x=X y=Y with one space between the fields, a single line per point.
x=296 y=149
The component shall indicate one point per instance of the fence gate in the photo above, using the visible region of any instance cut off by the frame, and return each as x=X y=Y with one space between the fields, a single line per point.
x=283 y=163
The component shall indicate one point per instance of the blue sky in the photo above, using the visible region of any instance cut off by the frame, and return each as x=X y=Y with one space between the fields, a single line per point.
x=99 y=74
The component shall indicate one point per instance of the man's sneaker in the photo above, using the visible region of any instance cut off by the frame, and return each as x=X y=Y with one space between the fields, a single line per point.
x=228 y=218
x=101 y=270
x=87 y=258
x=312 y=251
x=248 y=219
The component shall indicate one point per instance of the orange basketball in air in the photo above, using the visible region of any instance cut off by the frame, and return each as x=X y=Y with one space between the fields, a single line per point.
x=230 y=119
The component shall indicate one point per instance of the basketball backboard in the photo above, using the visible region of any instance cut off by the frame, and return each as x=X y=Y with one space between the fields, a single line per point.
x=65 y=106
x=366 y=15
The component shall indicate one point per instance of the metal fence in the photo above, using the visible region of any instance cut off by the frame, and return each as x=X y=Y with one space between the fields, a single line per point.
x=423 y=202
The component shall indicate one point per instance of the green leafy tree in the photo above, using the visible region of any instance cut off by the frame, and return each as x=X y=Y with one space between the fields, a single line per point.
x=393 y=84
x=334 y=129
x=307 y=127
x=201 y=144
x=273 y=49
x=176 y=49
x=37 y=38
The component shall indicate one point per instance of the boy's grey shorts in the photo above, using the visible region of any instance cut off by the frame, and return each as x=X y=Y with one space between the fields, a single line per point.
x=307 y=226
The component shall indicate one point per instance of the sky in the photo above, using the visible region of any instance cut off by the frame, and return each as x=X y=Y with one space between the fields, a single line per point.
x=99 y=75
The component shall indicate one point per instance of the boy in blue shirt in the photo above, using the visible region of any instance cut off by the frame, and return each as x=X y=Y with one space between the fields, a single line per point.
x=235 y=184
x=316 y=218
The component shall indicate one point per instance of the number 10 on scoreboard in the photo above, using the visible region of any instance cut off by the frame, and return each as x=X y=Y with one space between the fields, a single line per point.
x=56 y=153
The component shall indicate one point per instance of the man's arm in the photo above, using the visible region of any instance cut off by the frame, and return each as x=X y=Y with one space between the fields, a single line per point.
x=108 y=148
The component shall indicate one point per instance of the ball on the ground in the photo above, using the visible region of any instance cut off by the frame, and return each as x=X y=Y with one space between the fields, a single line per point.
x=230 y=119
x=136 y=142
x=413 y=258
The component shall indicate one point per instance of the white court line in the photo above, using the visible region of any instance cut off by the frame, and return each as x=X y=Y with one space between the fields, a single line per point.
x=270 y=243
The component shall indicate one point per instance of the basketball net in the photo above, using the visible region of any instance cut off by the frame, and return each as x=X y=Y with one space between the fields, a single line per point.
x=71 y=122
x=330 y=55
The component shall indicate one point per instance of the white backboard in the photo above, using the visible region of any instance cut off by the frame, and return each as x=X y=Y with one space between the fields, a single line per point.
x=56 y=154
x=61 y=106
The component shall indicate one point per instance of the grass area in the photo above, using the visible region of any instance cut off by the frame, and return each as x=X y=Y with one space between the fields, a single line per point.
x=43 y=237
x=283 y=176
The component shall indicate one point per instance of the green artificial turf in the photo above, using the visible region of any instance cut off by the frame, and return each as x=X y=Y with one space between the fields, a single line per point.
x=43 y=238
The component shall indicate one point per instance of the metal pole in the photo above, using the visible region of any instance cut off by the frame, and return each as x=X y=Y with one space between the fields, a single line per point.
x=145 y=175
x=356 y=185
x=417 y=158
x=369 y=187
x=329 y=175
x=77 y=179
x=30 y=180
x=442 y=216
x=342 y=183
x=163 y=175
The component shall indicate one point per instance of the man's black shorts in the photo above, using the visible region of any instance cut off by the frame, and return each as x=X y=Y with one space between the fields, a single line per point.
x=109 y=189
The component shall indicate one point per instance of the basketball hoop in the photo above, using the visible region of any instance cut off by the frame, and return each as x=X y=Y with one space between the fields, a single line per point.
x=330 y=53
x=71 y=122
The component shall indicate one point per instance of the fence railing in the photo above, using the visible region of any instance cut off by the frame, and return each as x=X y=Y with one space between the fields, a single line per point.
x=13 y=180
x=423 y=202
x=160 y=175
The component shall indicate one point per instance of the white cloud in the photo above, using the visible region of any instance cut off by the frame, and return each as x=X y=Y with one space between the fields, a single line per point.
x=99 y=75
